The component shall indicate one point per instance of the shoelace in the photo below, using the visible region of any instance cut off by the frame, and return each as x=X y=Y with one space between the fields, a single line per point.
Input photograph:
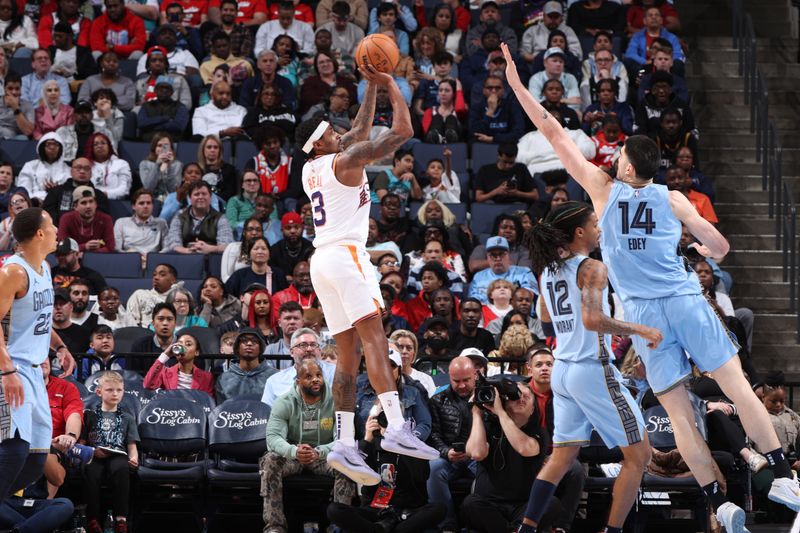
x=411 y=427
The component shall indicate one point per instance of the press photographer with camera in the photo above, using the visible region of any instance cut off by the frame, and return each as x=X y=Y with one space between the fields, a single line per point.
x=508 y=444
x=399 y=503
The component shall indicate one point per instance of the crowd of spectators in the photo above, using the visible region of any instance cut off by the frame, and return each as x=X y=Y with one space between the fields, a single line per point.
x=226 y=75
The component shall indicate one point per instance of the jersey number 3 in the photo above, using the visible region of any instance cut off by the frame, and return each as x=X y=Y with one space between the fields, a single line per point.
x=560 y=305
x=319 y=209
x=642 y=218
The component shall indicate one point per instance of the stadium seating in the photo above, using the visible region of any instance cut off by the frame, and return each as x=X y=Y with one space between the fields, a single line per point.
x=424 y=152
x=125 y=337
x=483 y=154
x=134 y=152
x=236 y=442
x=121 y=264
x=128 y=286
x=483 y=215
x=193 y=395
x=208 y=338
x=18 y=152
x=245 y=151
x=189 y=266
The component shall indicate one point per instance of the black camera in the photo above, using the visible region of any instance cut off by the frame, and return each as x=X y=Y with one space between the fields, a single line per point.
x=487 y=388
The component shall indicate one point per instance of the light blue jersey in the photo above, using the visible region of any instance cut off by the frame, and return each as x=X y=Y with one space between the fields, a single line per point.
x=563 y=300
x=639 y=241
x=31 y=317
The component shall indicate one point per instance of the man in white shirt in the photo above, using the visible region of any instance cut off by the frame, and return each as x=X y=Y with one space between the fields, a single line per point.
x=285 y=24
x=344 y=34
x=535 y=38
x=554 y=70
x=142 y=232
x=33 y=83
x=221 y=116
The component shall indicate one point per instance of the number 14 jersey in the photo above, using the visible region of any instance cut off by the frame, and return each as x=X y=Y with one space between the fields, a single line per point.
x=639 y=242
x=341 y=213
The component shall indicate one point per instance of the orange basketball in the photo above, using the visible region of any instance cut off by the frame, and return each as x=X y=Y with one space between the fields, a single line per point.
x=379 y=51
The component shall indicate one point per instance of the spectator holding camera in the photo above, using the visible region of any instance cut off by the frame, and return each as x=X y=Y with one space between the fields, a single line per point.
x=504 y=428
x=451 y=423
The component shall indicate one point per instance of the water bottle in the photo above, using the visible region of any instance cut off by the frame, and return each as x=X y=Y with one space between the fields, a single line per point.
x=108 y=523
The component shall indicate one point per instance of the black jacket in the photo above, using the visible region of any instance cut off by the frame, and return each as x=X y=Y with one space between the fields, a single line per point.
x=59 y=199
x=451 y=421
x=411 y=476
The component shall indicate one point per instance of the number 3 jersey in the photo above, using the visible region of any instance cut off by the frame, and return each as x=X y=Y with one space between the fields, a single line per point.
x=30 y=317
x=639 y=242
x=562 y=297
x=340 y=212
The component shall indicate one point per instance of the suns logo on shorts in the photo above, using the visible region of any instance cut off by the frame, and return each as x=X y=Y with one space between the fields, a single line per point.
x=363 y=196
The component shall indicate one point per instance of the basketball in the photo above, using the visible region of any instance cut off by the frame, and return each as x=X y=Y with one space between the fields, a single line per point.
x=379 y=51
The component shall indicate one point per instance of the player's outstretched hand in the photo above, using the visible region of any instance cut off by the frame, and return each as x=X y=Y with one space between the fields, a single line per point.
x=652 y=336
x=13 y=391
x=66 y=360
x=701 y=249
x=512 y=76
x=373 y=76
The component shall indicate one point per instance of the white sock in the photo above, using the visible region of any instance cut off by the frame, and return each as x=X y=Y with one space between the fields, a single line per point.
x=390 y=401
x=345 y=428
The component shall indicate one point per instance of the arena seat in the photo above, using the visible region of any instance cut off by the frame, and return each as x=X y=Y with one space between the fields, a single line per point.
x=187 y=151
x=134 y=152
x=123 y=265
x=193 y=395
x=236 y=430
x=208 y=338
x=127 y=67
x=214 y=265
x=18 y=152
x=245 y=151
x=483 y=215
x=483 y=154
x=424 y=152
x=189 y=266
x=125 y=337
x=128 y=376
x=127 y=286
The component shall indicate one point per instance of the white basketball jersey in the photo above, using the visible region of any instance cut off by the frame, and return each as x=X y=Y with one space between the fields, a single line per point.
x=341 y=213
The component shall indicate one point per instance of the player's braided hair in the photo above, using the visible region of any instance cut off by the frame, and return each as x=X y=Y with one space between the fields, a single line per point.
x=546 y=239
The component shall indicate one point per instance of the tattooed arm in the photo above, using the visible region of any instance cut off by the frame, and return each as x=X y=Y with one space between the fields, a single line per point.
x=592 y=280
x=349 y=166
x=362 y=124
x=344 y=392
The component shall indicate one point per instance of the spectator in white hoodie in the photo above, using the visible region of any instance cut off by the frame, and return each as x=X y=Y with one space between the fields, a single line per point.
x=40 y=175
x=536 y=152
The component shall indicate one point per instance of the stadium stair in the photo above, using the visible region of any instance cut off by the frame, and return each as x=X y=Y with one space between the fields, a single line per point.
x=727 y=155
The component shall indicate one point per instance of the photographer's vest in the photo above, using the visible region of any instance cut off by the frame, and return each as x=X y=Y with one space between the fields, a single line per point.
x=205 y=231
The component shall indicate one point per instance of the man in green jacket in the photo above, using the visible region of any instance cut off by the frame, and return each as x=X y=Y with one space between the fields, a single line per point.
x=300 y=434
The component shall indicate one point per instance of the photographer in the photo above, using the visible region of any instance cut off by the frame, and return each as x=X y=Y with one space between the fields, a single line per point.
x=508 y=444
x=400 y=502
x=451 y=422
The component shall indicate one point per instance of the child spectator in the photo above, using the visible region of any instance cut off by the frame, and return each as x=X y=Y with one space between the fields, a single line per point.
x=785 y=421
x=443 y=184
x=607 y=141
x=114 y=434
x=427 y=93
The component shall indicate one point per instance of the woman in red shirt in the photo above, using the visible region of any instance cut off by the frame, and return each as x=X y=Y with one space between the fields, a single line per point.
x=185 y=374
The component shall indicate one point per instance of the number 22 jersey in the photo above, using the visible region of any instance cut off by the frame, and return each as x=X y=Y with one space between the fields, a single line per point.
x=340 y=212
x=639 y=242
x=30 y=317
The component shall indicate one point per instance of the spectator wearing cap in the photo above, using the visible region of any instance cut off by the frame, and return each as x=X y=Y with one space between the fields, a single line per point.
x=75 y=136
x=157 y=65
x=536 y=37
x=435 y=346
x=469 y=333
x=199 y=228
x=71 y=60
x=60 y=201
x=69 y=268
x=163 y=113
x=647 y=119
x=637 y=53
x=118 y=29
x=75 y=336
x=221 y=116
x=451 y=422
x=221 y=54
x=33 y=83
x=181 y=44
x=500 y=267
x=474 y=68
x=140 y=233
x=91 y=229
x=554 y=60
x=489 y=17
x=292 y=248
x=305 y=344
x=479 y=360
x=496 y=116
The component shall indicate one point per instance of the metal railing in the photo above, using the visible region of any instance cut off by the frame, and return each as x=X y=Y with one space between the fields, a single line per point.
x=768 y=152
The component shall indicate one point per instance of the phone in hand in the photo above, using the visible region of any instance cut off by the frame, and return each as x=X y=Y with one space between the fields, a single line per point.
x=459 y=447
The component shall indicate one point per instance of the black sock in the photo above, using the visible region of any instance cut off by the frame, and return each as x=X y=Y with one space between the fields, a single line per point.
x=778 y=463
x=610 y=529
x=715 y=495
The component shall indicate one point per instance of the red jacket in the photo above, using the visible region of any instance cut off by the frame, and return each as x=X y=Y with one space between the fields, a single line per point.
x=102 y=227
x=161 y=376
x=418 y=311
x=103 y=28
x=45 y=34
x=64 y=400
x=290 y=294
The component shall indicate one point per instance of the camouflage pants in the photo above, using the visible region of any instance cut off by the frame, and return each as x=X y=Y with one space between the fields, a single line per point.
x=273 y=468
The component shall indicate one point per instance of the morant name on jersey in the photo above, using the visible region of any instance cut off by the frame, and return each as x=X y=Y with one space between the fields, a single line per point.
x=564 y=326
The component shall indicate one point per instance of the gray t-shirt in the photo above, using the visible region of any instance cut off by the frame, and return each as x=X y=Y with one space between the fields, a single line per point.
x=92 y=426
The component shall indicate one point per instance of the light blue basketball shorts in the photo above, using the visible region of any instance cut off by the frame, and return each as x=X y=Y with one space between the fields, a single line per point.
x=32 y=419
x=590 y=395
x=690 y=326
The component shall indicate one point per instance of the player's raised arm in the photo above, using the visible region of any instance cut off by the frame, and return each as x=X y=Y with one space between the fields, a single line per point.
x=698 y=226
x=350 y=163
x=595 y=181
x=593 y=279
x=362 y=124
